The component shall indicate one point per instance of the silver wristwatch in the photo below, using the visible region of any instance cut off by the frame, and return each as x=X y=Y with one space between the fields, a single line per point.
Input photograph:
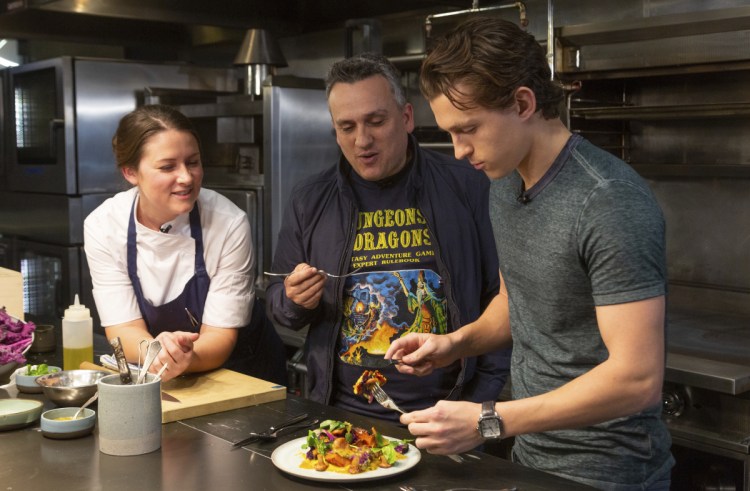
x=490 y=424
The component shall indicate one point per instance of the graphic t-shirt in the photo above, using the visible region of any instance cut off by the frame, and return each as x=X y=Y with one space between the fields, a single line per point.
x=397 y=290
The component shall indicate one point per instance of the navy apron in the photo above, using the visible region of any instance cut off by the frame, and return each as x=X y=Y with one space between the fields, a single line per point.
x=258 y=352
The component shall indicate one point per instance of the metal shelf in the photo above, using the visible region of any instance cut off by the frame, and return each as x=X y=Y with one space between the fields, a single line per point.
x=687 y=111
x=692 y=170
x=235 y=108
x=657 y=27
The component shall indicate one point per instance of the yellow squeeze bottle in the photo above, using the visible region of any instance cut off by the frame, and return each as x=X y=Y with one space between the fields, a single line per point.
x=78 y=336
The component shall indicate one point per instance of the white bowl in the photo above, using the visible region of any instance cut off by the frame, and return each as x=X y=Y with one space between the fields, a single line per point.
x=17 y=413
x=27 y=383
x=52 y=427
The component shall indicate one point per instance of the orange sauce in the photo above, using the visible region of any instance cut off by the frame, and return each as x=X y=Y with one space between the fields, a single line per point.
x=310 y=464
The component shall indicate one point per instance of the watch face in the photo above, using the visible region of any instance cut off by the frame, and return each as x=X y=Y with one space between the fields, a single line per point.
x=490 y=428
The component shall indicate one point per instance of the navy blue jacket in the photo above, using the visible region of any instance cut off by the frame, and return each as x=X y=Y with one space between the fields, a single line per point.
x=319 y=227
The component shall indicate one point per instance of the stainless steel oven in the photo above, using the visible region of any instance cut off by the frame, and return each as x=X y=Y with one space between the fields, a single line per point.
x=52 y=276
x=42 y=237
x=707 y=400
x=65 y=111
x=250 y=200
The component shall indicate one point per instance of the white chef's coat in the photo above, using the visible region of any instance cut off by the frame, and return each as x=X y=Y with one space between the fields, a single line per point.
x=166 y=261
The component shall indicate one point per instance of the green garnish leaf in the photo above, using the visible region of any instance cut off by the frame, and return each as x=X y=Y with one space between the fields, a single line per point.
x=389 y=452
x=35 y=370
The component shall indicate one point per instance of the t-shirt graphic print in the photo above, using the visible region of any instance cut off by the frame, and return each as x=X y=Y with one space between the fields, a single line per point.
x=381 y=306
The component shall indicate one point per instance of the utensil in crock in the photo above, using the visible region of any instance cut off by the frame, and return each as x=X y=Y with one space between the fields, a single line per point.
x=152 y=351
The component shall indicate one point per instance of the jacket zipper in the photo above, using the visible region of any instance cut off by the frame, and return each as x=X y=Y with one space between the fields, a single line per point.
x=339 y=288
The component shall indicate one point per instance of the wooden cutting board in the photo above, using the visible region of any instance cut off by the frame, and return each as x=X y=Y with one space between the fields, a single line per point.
x=214 y=392
x=211 y=392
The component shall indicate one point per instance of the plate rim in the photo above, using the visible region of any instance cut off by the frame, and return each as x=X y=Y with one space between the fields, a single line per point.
x=335 y=477
x=31 y=405
x=21 y=418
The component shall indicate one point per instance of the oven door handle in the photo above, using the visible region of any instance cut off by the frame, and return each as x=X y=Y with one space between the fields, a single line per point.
x=53 y=125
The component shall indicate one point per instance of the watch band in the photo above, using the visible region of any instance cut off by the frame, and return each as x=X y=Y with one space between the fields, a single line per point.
x=490 y=424
x=488 y=409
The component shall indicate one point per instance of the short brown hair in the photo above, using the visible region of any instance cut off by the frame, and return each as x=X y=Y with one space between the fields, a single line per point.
x=139 y=125
x=491 y=57
x=364 y=66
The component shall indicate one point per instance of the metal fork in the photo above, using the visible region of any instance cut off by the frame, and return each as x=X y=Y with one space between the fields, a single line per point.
x=320 y=271
x=263 y=434
x=386 y=401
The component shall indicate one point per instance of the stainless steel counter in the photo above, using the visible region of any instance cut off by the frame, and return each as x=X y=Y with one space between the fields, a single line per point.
x=709 y=351
x=196 y=454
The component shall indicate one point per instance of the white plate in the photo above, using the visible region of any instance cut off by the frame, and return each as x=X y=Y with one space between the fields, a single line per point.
x=288 y=458
x=17 y=413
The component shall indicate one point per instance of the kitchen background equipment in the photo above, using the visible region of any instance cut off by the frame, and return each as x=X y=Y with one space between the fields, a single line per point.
x=668 y=94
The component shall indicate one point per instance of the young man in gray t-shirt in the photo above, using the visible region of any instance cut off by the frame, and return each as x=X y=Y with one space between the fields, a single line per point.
x=580 y=240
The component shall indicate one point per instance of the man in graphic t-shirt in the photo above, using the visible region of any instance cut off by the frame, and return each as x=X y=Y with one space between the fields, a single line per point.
x=409 y=227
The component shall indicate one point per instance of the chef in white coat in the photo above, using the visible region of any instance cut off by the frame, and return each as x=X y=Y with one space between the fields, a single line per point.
x=172 y=261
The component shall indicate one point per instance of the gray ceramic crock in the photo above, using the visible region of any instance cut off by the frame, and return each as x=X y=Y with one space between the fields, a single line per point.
x=129 y=416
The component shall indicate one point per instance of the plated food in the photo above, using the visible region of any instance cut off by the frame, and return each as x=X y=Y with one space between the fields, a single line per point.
x=337 y=446
x=363 y=385
x=339 y=451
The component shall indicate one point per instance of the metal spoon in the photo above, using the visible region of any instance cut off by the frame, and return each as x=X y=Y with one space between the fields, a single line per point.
x=85 y=404
x=152 y=351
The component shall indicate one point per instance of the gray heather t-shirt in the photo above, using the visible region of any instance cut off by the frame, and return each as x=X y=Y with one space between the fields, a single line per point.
x=589 y=233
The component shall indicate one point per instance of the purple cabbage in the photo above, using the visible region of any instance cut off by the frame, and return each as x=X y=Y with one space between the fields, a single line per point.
x=15 y=336
x=364 y=458
x=401 y=448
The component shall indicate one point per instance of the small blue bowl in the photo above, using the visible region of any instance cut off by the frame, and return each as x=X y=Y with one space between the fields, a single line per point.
x=62 y=429
x=27 y=383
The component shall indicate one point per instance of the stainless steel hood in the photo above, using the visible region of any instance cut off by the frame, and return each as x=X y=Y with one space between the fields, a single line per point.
x=142 y=22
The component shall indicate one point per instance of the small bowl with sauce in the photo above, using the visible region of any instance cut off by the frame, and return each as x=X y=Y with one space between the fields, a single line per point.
x=60 y=425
